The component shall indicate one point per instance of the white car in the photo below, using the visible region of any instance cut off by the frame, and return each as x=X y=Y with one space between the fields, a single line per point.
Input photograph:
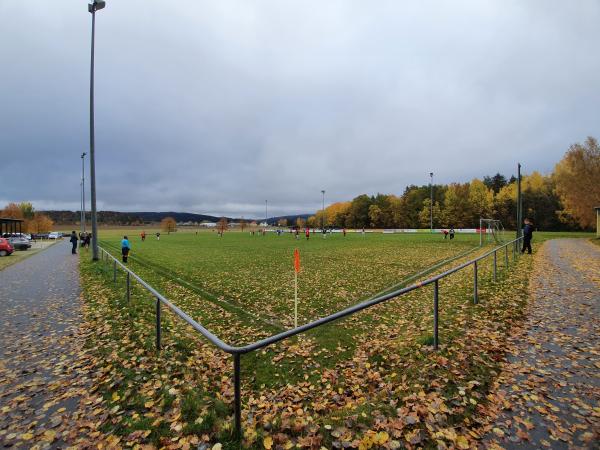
x=55 y=235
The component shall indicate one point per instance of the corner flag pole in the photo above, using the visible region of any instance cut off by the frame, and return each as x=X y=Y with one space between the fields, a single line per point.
x=296 y=270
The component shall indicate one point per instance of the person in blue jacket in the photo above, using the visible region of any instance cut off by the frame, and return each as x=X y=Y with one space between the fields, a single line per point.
x=125 y=248
x=527 y=236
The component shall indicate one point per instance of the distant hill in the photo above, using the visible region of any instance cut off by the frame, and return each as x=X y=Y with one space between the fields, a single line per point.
x=146 y=217
x=129 y=218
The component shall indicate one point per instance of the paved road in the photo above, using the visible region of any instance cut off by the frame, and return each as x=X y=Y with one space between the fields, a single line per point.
x=551 y=386
x=40 y=305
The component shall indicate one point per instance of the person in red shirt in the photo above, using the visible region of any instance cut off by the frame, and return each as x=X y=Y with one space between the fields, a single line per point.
x=307 y=233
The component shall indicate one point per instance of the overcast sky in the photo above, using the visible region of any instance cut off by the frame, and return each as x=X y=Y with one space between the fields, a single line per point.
x=215 y=106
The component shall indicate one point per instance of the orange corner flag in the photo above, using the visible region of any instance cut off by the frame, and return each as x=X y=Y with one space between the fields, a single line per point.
x=297 y=260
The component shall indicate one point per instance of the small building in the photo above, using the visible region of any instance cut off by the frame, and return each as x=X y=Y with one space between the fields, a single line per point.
x=10 y=226
x=597 y=208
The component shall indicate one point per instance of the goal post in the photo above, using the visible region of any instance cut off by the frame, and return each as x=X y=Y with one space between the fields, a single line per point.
x=490 y=229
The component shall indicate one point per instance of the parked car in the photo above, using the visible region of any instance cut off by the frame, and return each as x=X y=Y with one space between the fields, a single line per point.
x=55 y=235
x=10 y=235
x=39 y=236
x=5 y=247
x=19 y=243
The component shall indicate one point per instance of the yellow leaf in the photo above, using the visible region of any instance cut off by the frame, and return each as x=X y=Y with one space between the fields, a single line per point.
x=268 y=442
x=149 y=404
x=49 y=435
x=381 y=438
x=462 y=442
x=115 y=396
x=217 y=446
x=26 y=436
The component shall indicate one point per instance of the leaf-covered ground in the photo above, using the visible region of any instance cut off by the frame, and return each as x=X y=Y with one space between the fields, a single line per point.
x=548 y=392
x=41 y=375
x=370 y=380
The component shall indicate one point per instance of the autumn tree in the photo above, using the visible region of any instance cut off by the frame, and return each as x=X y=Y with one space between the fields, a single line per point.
x=335 y=214
x=40 y=223
x=168 y=224
x=222 y=225
x=481 y=200
x=577 y=178
x=300 y=223
x=457 y=209
x=242 y=225
x=282 y=223
x=426 y=214
x=12 y=211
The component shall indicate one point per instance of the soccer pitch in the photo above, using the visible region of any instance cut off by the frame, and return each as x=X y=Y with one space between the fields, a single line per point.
x=241 y=288
x=252 y=276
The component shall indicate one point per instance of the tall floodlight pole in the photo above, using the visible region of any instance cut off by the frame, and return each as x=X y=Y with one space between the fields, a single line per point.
x=431 y=205
x=83 y=192
x=323 y=210
x=266 y=215
x=92 y=8
x=519 y=201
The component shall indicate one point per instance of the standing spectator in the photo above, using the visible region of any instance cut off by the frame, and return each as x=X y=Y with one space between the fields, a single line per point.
x=158 y=236
x=451 y=232
x=125 y=248
x=87 y=241
x=527 y=236
x=73 y=241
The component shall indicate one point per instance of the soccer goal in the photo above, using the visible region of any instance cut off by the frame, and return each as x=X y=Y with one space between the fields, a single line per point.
x=490 y=230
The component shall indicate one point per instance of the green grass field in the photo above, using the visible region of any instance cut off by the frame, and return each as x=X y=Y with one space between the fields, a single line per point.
x=253 y=276
x=344 y=376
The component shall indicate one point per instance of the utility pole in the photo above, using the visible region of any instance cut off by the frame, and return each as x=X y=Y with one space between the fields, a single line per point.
x=323 y=216
x=92 y=8
x=431 y=205
x=266 y=215
x=519 y=201
x=83 y=192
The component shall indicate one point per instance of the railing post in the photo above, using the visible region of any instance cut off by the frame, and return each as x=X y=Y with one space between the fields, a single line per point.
x=495 y=265
x=115 y=271
x=435 y=315
x=237 y=398
x=506 y=256
x=157 y=324
x=475 y=282
x=128 y=287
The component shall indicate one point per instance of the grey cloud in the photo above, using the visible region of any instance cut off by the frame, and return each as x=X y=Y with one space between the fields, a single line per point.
x=215 y=106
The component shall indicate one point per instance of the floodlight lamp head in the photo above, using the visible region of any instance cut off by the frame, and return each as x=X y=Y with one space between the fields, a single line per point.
x=97 y=5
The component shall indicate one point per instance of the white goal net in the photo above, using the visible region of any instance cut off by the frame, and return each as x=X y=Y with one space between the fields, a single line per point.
x=490 y=230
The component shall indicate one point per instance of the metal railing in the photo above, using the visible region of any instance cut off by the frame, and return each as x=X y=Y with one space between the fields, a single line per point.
x=237 y=351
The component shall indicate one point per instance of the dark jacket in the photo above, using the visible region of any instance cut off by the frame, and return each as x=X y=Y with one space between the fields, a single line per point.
x=528 y=231
x=73 y=238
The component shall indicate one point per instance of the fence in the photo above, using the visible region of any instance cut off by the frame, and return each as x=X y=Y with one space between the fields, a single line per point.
x=237 y=351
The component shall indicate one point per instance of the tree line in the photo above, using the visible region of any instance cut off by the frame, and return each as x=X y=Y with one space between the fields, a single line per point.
x=562 y=200
x=34 y=221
